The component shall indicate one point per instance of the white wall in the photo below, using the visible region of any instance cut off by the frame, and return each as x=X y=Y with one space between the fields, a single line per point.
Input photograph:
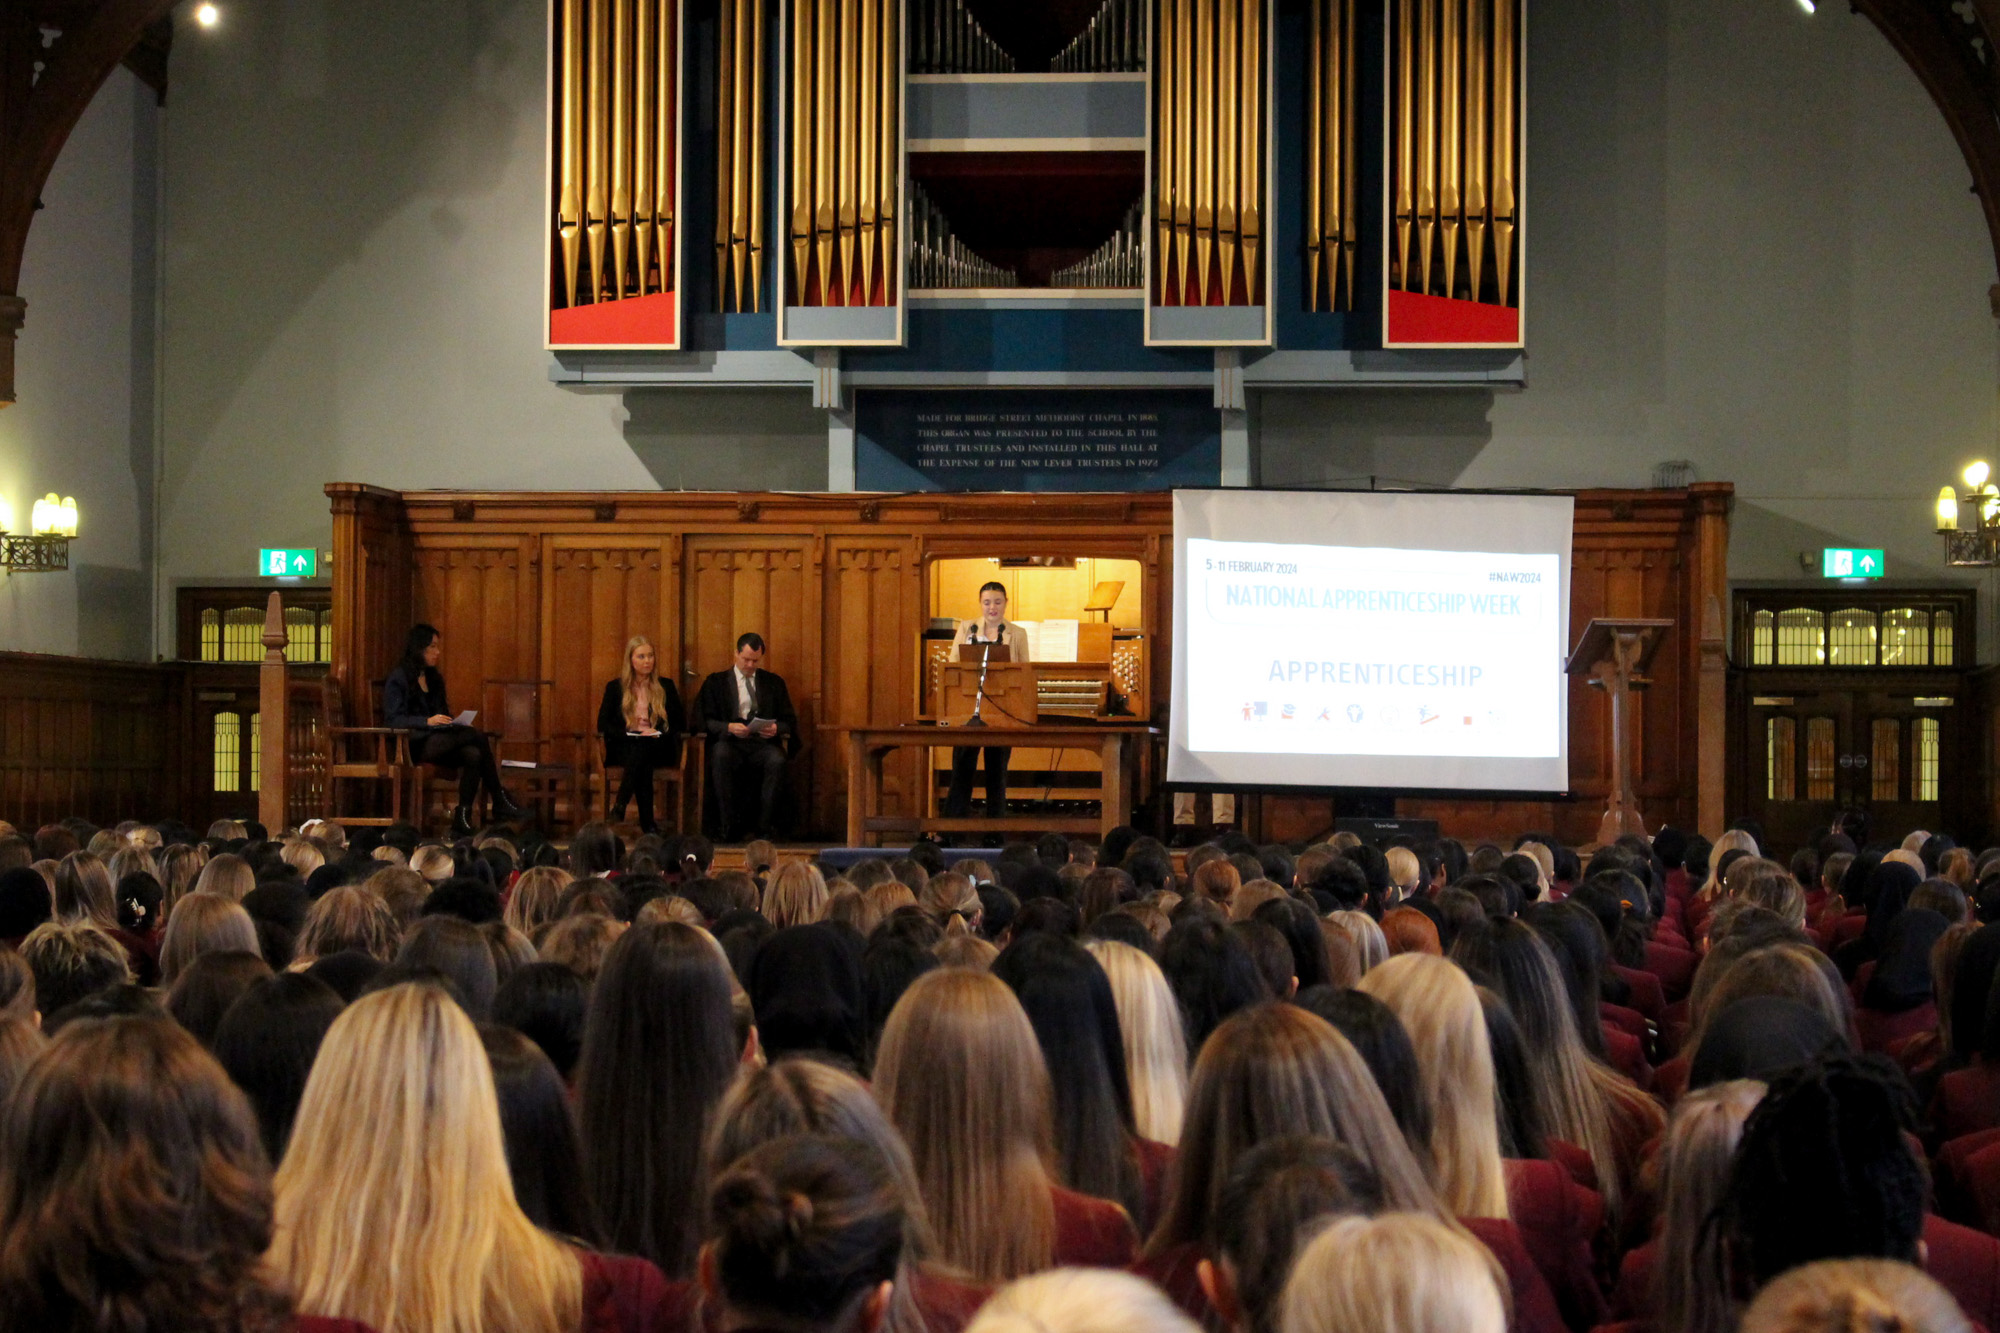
x=1751 y=245
x=83 y=374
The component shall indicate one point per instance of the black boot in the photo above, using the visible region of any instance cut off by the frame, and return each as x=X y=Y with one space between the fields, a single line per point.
x=502 y=805
x=461 y=822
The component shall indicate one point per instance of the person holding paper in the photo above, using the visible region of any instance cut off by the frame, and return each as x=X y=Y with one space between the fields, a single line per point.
x=992 y=626
x=413 y=698
x=747 y=715
x=641 y=722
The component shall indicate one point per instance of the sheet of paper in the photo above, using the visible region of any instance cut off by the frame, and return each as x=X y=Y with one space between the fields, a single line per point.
x=465 y=719
x=1058 y=642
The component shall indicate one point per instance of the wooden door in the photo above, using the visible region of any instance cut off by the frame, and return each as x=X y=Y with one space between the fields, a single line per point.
x=1911 y=769
x=1804 y=764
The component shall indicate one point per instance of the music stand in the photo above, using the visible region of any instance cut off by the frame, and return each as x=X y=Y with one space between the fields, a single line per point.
x=1614 y=654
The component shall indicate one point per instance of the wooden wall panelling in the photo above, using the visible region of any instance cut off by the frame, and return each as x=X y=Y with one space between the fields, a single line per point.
x=762 y=582
x=870 y=582
x=102 y=740
x=479 y=590
x=847 y=642
x=597 y=593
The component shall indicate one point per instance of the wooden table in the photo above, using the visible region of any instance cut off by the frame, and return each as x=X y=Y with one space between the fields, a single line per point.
x=1119 y=745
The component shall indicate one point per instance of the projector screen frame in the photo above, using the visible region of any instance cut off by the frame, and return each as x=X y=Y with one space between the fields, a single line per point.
x=1188 y=769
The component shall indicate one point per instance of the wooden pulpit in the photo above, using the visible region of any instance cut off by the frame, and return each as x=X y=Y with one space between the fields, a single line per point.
x=1614 y=654
x=1011 y=697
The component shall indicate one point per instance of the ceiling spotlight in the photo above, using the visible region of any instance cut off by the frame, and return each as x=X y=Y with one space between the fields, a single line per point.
x=207 y=15
x=1808 y=5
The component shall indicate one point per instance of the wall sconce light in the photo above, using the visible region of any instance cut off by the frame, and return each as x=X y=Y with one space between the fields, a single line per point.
x=44 y=549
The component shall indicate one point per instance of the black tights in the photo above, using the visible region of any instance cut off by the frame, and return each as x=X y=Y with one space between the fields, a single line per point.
x=640 y=756
x=465 y=749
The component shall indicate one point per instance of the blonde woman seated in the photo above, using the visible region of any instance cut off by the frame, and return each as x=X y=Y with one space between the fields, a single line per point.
x=1845 y=1295
x=642 y=722
x=394 y=1202
x=1080 y=1300
x=1401 y=1273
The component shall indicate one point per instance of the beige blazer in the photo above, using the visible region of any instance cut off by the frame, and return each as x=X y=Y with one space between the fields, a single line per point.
x=1011 y=634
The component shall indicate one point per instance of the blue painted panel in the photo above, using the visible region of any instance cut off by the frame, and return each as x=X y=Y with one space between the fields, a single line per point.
x=1028 y=108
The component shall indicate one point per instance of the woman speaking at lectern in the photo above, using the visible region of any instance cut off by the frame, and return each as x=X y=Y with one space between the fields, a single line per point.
x=992 y=626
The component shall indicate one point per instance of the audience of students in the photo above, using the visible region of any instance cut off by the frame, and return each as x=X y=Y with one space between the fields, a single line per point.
x=1285 y=1089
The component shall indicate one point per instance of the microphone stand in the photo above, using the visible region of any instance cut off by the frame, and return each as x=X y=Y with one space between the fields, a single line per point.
x=979 y=695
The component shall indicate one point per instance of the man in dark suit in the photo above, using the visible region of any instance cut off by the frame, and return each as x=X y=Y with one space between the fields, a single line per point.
x=729 y=702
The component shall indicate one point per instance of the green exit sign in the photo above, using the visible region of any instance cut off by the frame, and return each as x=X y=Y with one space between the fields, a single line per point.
x=1848 y=564
x=288 y=564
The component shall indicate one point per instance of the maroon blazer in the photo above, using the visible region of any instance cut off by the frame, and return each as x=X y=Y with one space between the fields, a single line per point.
x=1879 y=1031
x=1535 y=1309
x=946 y=1304
x=1627 y=1054
x=1673 y=965
x=1175 y=1270
x=626 y=1295
x=1967 y=1099
x=1573 y=1159
x=1647 y=996
x=1091 y=1233
x=1625 y=1020
x=1156 y=1168
x=312 y=1323
x=1559 y=1221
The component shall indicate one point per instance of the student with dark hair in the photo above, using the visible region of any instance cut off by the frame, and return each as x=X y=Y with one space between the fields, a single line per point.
x=413 y=699
x=117 y=1102
x=1301 y=928
x=889 y=964
x=546 y=1003
x=1150 y=868
x=1212 y=974
x=1277 y=1196
x=73 y=960
x=456 y=949
x=1341 y=885
x=747 y=715
x=1069 y=1003
x=807 y=1236
x=1375 y=1032
x=267 y=1041
x=805 y=988
x=658 y=1052
x=991 y=627
x=209 y=985
x=544 y=1158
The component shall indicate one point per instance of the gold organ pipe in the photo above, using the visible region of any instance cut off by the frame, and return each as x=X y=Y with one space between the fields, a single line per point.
x=741 y=149
x=1184 y=147
x=621 y=146
x=725 y=145
x=1316 y=71
x=847 y=145
x=1427 y=155
x=1250 y=211
x=1227 y=173
x=1349 y=159
x=826 y=206
x=1405 y=42
x=667 y=139
x=1505 y=147
x=799 y=147
x=597 y=198
x=1165 y=183
x=1478 y=61
x=889 y=158
x=569 y=205
x=868 y=174
x=1330 y=55
x=1204 y=146
x=644 y=91
x=1451 y=103
x=755 y=76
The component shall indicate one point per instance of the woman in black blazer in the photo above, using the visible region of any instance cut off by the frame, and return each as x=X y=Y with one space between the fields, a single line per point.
x=642 y=724
x=413 y=698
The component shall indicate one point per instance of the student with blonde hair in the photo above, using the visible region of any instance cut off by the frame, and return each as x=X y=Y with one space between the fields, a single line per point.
x=1400 y=1273
x=1149 y=1019
x=1371 y=946
x=536 y=899
x=952 y=900
x=229 y=875
x=1080 y=1300
x=302 y=855
x=962 y=1077
x=432 y=862
x=1734 y=840
x=1855 y=1296
x=394 y=1202
x=796 y=895
x=348 y=918
x=85 y=891
x=204 y=923
x=641 y=721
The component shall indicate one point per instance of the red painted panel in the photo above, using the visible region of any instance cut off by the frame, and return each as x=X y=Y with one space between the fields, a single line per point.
x=639 y=321
x=1417 y=320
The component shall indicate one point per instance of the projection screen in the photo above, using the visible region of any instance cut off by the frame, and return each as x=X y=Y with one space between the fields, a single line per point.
x=1370 y=639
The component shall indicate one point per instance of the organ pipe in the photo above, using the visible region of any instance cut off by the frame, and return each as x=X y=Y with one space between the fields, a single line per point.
x=615 y=130
x=740 y=96
x=1113 y=42
x=845 y=151
x=945 y=38
x=1455 y=135
x=1331 y=206
x=1209 y=173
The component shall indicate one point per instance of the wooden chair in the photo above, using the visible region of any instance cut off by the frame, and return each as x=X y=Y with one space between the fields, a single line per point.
x=365 y=754
x=540 y=770
x=670 y=786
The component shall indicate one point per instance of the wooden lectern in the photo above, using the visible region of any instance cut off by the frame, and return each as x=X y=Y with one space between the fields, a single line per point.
x=1615 y=654
x=1011 y=695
